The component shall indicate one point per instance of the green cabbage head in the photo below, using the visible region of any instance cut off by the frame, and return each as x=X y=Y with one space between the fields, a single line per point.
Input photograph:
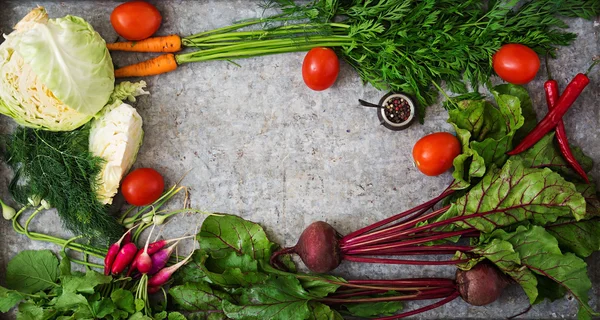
x=55 y=74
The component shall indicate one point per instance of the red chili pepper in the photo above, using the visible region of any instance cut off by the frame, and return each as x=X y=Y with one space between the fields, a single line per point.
x=124 y=258
x=551 y=89
x=555 y=115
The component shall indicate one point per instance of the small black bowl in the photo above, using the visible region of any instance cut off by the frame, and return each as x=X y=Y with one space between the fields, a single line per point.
x=385 y=117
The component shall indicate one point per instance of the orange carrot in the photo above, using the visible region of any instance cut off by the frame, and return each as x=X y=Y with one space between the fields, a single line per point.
x=161 y=64
x=170 y=43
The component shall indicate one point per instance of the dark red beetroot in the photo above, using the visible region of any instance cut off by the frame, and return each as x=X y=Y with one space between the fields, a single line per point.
x=318 y=247
x=481 y=285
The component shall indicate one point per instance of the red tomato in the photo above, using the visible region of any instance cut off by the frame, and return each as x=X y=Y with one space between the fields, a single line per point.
x=434 y=153
x=142 y=186
x=320 y=68
x=135 y=20
x=516 y=63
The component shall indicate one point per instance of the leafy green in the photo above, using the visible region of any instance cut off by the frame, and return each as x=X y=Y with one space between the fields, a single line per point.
x=540 y=253
x=220 y=236
x=545 y=154
x=527 y=111
x=123 y=299
x=31 y=271
x=515 y=194
x=44 y=294
x=371 y=309
x=280 y=297
x=579 y=237
x=486 y=132
x=57 y=167
x=198 y=296
x=9 y=299
x=319 y=311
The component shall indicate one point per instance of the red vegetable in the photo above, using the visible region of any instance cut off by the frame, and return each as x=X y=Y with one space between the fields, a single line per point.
x=320 y=68
x=135 y=20
x=124 y=258
x=551 y=89
x=160 y=258
x=142 y=186
x=555 y=115
x=114 y=250
x=317 y=247
x=481 y=285
x=162 y=276
x=152 y=290
x=516 y=63
x=434 y=153
x=153 y=248
x=142 y=260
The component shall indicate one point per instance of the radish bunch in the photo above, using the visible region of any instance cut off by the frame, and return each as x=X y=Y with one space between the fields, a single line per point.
x=150 y=260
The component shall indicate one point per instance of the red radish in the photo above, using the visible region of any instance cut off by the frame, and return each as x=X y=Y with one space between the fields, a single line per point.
x=162 y=276
x=109 y=259
x=152 y=290
x=124 y=258
x=127 y=238
x=153 y=248
x=143 y=262
x=160 y=258
x=481 y=285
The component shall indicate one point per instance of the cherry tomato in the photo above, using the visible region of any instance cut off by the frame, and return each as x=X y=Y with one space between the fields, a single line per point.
x=320 y=68
x=135 y=20
x=516 y=63
x=142 y=186
x=434 y=153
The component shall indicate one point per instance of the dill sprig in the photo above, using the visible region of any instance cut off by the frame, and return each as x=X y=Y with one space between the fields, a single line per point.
x=412 y=46
x=57 y=167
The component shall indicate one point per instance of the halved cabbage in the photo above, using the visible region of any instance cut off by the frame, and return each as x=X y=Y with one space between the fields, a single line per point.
x=116 y=136
x=55 y=74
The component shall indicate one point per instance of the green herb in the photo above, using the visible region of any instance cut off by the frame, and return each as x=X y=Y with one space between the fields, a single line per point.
x=58 y=168
x=409 y=46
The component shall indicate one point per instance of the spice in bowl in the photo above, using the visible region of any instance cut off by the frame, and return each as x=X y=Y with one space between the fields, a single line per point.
x=397 y=110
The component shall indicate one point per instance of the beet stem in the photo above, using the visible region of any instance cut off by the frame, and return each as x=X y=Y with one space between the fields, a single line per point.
x=351 y=237
x=407 y=262
x=423 y=249
x=438 y=282
x=429 y=226
x=373 y=249
x=421 y=295
x=358 y=293
x=275 y=257
x=421 y=310
x=389 y=233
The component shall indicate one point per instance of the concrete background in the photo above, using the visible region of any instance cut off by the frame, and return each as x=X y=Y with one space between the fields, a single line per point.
x=261 y=145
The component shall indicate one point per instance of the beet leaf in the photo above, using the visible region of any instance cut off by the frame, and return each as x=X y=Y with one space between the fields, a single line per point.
x=198 y=297
x=516 y=194
x=539 y=252
x=485 y=132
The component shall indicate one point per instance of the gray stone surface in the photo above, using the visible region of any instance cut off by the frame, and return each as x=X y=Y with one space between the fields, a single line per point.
x=261 y=145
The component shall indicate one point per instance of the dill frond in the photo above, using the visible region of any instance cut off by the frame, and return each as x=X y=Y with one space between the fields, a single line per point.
x=57 y=167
